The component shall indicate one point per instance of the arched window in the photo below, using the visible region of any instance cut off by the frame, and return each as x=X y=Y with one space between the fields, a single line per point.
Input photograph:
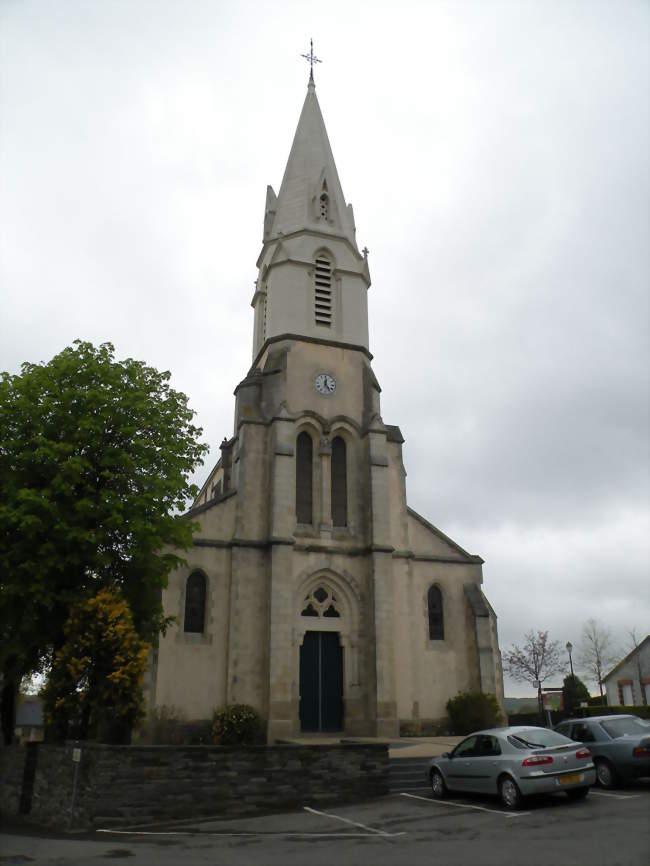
x=195 y=603
x=339 y=482
x=323 y=291
x=436 y=621
x=304 y=480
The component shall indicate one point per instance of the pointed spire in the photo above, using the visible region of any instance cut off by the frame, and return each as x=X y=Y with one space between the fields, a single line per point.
x=311 y=196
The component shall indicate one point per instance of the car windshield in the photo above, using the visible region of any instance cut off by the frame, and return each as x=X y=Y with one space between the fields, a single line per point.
x=537 y=738
x=628 y=726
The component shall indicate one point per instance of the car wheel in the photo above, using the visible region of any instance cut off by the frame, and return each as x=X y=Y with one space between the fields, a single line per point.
x=438 y=787
x=577 y=793
x=510 y=793
x=605 y=774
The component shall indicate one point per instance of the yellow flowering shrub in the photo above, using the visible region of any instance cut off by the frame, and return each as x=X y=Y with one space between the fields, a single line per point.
x=94 y=688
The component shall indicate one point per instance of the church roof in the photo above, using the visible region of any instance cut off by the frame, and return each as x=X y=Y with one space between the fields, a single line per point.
x=310 y=174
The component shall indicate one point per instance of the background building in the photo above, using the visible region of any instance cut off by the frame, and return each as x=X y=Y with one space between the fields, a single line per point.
x=628 y=684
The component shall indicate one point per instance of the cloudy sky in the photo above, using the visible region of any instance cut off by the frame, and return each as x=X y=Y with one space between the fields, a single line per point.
x=496 y=154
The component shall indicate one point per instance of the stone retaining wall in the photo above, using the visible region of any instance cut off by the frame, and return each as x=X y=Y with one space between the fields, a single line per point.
x=12 y=764
x=122 y=785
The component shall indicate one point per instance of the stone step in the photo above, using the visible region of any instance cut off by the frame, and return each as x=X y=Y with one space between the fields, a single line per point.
x=407 y=774
x=408 y=762
x=407 y=771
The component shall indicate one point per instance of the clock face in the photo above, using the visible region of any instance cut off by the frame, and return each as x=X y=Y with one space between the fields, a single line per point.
x=325 y=384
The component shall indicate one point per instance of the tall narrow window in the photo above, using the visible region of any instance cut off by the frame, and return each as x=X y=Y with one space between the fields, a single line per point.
x=195 y=603
x=339 y=483
x=323 y=292
x=304 y=482
x=436 y=621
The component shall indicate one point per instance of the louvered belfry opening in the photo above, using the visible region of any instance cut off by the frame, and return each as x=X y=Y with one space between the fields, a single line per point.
x=323 y=292
x=304 y=485
x=339 y=482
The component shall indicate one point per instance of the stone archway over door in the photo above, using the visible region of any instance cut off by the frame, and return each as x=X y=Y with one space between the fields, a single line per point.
x=321 y=682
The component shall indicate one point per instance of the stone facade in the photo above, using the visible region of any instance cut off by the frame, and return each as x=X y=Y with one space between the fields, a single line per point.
x=128 y=785
x=261 y=566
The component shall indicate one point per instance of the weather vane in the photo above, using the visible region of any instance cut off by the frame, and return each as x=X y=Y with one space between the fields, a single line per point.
x=312 y=59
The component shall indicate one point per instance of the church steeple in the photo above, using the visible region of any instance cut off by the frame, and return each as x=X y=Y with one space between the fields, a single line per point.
x=312 y=280
x=311 y=195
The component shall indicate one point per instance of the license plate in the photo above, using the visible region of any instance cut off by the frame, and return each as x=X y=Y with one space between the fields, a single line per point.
x=571 y=779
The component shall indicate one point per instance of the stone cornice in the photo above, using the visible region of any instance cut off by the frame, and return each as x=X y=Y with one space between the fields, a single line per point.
x=303 y=338
x=309 y=265
x=426 y=557
x=257 y=543
x=315 y=547
x=326 y=423
x=331 y=549
x=315 y=233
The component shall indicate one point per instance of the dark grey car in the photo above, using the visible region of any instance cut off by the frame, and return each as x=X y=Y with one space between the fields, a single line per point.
x=514 y=762
x=620 y=745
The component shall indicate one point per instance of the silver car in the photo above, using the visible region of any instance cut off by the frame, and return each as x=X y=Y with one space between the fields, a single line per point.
x=514 y=763
x=620 y=745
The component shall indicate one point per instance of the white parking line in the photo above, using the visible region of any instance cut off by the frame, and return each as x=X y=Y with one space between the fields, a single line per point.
x=464 y=806
x=370 y=832
x=614 y=796
x=354 y=823
x=348 y=835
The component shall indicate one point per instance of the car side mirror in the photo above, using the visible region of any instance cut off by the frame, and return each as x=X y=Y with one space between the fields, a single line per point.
x=447 y=755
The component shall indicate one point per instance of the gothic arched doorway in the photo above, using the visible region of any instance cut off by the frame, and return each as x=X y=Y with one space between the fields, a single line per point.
x=321 y=661
x=327 y=657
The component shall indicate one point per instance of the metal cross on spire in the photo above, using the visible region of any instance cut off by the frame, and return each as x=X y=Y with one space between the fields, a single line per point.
x=312 y=59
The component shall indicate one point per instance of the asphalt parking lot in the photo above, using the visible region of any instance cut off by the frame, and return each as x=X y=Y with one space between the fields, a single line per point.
x=610 y=828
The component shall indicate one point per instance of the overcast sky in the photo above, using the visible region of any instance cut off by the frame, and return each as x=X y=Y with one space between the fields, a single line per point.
x=496 y=154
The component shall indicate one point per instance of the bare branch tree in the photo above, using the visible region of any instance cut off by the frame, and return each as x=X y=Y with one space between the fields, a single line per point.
x=598 y=651
x=632 y=641
x=538 y=659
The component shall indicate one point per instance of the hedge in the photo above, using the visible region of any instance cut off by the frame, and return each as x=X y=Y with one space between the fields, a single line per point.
x=473 y=711
x=580 y=713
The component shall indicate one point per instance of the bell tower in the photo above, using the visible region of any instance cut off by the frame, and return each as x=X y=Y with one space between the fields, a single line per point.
x=312 y=280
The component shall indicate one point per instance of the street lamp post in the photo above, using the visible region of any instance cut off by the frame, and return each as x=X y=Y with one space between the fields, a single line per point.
x=572 y=690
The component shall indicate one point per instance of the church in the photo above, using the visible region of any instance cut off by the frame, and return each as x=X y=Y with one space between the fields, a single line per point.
x=312 y=591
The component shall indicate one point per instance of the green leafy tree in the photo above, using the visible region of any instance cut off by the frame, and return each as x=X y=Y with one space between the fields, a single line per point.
x=574 y=691
x=95 y=461
x=95 y=683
